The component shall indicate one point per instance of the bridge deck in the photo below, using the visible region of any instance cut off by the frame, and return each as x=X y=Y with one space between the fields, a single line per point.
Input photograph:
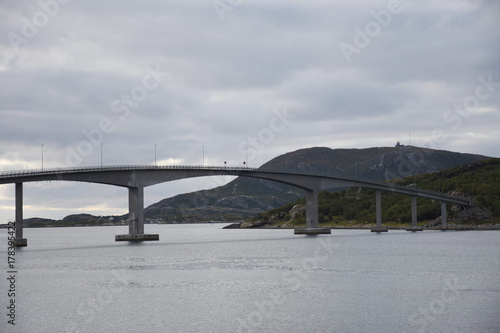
x=156 y=174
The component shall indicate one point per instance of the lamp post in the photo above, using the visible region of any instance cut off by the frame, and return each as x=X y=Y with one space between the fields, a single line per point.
x=203 y=155
x=42 y=156
x=155 y=154
x=101 y=153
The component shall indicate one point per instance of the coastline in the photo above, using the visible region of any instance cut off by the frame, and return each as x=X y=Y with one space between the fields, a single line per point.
x=238 y=225
x=451 y=226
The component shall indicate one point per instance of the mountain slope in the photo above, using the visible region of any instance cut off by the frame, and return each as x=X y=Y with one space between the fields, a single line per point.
x=246 y=197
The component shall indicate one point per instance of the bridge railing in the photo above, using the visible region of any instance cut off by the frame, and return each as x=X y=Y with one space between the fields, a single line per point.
x=52 y=171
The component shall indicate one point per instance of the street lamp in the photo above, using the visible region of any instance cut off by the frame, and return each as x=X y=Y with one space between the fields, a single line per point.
x=155 y=154
x=203 y=155
x=42 y=156
x=101 y=153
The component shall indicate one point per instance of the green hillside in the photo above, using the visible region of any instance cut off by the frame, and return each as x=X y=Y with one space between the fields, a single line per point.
x=479 y=180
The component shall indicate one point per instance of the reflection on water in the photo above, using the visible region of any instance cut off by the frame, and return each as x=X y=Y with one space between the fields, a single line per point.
x=200 y=278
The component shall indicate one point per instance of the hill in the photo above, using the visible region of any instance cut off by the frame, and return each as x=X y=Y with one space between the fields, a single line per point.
x=478 y=180
x=243 y=198
x=74 y=220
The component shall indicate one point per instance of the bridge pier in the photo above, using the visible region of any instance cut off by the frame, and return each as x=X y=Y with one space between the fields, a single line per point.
x=378 y=213
x=414 y=226
x=312 y=209
x=136 y=218
x=136 y=210
x=444 y=216
x=20 y=241
x=312 y=222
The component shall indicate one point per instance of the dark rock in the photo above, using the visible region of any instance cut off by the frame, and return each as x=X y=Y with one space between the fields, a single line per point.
x=233 y=226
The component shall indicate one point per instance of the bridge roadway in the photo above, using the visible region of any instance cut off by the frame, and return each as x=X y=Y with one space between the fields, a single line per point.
x=136 y=178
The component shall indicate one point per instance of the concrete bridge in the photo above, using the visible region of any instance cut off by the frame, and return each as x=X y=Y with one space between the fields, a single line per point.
x=136 y=178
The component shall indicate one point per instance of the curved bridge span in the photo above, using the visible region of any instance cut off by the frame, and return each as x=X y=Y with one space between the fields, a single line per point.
x=136 y=178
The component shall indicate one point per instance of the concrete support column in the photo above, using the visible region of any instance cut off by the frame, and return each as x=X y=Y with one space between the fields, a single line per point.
x=378 y=208
x=312 y=209
x=20 y=241
x=136 y=218
x=444 y=217
x=414 y=211
x=414 y=226
x=136 y=210
x=378 y=212
x=312 y=222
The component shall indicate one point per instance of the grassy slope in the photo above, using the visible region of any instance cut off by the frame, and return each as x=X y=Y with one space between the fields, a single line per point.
x=479 y=180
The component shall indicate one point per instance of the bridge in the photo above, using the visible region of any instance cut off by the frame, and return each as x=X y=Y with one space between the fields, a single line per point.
x=136 y=178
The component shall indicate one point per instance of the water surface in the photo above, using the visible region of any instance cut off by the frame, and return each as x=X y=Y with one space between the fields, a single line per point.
x=200 y=278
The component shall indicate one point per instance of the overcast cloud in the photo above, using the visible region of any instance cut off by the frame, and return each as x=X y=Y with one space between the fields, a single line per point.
x=224 y=74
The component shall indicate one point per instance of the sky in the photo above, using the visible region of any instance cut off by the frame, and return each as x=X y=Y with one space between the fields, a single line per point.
x=86 y=83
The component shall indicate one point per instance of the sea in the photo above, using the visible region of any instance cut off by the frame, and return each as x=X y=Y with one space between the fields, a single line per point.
x=202 y=278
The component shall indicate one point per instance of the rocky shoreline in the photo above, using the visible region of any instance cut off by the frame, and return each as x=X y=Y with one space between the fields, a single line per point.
x=451 y=226
x=474 y=218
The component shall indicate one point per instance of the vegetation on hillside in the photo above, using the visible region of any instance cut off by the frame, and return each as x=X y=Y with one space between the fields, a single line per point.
x=479 y=180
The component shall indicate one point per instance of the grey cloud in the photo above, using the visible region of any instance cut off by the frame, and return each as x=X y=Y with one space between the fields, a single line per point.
x=224 y=78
